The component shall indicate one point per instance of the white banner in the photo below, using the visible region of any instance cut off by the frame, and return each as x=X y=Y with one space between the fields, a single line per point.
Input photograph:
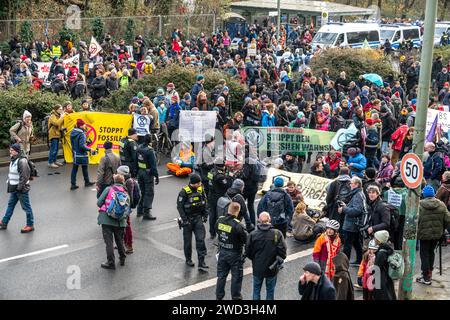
x=94 y=48
x=44 y=67
x=142 y=124
x=251 y=51
x=342 y=136
x=313 y=188
x=443 y=119
x=195 y=124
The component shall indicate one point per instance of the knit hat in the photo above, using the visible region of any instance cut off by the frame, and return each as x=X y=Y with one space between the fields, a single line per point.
x=351 y=151
x=226 y=88
x=364 y=91
x=16 y=147
x=194 y=178
x=397 y=94
x=170 y=85
x=278 y=182
x=131 y=131
x=80 y=123
x=428 y=191
x=300 y=115
x=382 y=236
x=140 y=95
x=200 y=77
x=238 y=184
x=26 y=114
x=124 y=170
x=108 y=145
x=313 y=267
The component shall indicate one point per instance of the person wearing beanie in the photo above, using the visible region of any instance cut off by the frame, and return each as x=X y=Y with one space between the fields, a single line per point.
x=290 y=163
x=278 y=203
x=128 y=151
x=80 y=154
x=147 y=177
x=366 y=269
x=192 y=208
x=433 y=166
x=196 y=89
x=106 y=169
x=18 y=187
x=313 y=285
x=235 y=193
x=386 y=290
x=433 y=219
x=356 y=162
x=22 y=132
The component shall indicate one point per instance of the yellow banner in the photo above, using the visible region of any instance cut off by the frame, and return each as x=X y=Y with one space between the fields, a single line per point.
x=313 y=187
x=101 y=127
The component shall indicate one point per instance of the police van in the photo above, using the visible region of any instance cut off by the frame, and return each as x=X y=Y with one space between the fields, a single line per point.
x=353 y=35
x=440 y=28
x=398 y=33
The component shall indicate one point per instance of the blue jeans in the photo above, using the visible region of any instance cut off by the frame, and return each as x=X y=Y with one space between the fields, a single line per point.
x=24 y=202
x=73 y=176
x=270 y=287
x=53 y=153
x=385 y=147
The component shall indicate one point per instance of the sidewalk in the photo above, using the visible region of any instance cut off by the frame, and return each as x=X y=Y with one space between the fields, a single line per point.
x=38 y=153
x=439 y=288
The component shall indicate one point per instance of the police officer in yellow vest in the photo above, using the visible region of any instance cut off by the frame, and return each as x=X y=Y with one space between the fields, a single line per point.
x=147 y=177
x=232 y=239
x=56 y=50
x=191 y=205
x=128 y=152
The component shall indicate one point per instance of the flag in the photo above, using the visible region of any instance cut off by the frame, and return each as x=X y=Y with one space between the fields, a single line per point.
x=432 y=132
x=94 y=48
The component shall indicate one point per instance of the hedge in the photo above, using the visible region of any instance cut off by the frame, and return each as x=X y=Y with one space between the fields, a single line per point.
x=444 y=52
x=354 y=62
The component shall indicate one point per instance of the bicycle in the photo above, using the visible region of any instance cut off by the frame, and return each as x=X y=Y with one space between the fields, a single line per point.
x=161 y=143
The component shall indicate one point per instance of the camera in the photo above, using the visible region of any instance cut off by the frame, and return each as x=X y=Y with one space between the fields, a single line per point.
x=277 y=265
x=94 y=152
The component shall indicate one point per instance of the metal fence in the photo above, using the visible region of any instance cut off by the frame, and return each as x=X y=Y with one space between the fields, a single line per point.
x=147 y=26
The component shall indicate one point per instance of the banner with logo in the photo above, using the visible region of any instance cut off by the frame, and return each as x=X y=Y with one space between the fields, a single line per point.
x=281 y=139
x=313 y=188
x=443 y=119
x=342 y=136
x=101 y=127
x=142 y=124
x=194 y=125
x=44 y=67
x=94 y=48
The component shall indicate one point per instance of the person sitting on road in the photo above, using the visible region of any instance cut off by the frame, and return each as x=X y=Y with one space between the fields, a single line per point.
x=183 y=163
x=303 y=224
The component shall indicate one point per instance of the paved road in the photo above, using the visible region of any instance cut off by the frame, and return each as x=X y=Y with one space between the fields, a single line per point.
x=36 y=265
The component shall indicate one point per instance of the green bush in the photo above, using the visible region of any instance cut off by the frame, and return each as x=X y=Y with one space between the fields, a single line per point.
x=15 y=101
x=183 y=78
x=444 y=52
x=354 y=62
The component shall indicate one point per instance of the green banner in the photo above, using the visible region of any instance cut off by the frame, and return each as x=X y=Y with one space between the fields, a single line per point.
x=282 y=139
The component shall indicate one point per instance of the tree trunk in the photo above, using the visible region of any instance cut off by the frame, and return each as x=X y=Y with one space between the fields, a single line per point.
x=445 y=10
x=380 y=2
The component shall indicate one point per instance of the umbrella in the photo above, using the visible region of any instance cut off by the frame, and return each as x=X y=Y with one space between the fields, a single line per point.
x=374 y=78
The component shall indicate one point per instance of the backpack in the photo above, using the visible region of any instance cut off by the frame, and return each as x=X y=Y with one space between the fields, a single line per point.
x=394 y=217
x=33 y=169
x=222 y=205
x=119 y=207
x=336 y=123
x=396 y=265
x=45 y=125
x=275 y=207
x=135 y=194
x=344 y=191
x=215 y=94
x=259 y=171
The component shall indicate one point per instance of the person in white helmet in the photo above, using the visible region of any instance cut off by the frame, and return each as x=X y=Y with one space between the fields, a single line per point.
x=327 y=246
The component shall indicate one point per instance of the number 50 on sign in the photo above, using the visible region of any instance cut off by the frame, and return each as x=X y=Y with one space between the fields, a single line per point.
x=411 y=169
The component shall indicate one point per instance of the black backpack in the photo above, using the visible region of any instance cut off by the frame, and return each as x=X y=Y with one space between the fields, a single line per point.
x=275 y=207
x=344 y=191
x=394 y=215
x=33 y=170
x=336 y=123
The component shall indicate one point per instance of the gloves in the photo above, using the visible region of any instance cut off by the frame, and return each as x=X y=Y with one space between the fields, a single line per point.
x=360 y=281
x=156 y=180
x=204 y=219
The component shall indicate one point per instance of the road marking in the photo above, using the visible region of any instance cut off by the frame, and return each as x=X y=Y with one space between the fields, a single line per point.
x=34 y=253
x=168 y=176
x=212 y=282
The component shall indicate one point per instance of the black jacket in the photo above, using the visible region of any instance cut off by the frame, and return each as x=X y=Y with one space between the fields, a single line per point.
x=323 y=290
x=233 y=238
x=146 y=158
x=98 y=88
x=387 y=290
x=263 y=246
x=380 y=215
x=236 y=196
x=342 y=280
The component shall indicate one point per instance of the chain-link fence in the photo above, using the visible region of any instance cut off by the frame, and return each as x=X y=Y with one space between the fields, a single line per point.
x=147 y=26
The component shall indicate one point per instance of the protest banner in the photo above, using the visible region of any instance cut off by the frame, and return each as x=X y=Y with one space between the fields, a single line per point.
x=194 y=125
x=44 y=67
x=251 y=51
x=342 y=136
x=101 y=127
x=94 y=47
x=142 y=124
x=443 y=119
x=281 y=139
x=313 y=188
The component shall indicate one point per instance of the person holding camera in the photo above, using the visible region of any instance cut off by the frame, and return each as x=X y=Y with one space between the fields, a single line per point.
x=191 y=205
x=232 y=239
x=266 y=247
x=80 y=154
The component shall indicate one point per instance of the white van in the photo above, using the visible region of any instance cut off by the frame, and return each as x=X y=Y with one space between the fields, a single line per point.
x=353 y=35
x=397 y=33
x=439 y=29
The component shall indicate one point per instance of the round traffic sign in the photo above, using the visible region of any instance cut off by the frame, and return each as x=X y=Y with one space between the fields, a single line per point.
x=411 y=169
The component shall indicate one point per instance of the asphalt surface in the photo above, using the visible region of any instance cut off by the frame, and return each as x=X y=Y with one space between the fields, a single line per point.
x=67 y=236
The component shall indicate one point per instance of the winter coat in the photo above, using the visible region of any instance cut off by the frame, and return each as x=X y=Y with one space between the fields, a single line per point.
x=291 y=166
x=443 y=193
x=388 y=126
x=55 y=123
x=107 y=168
x=380 y=216
x=387 y=290
x=432 y=168
x=372 y=141
x=323 y=290
x=323 y=121
x=24 y=174
x=103 y=218
x=288 y=206
x=398 y=136
x=359 y=165
x=236 y=196
x=433 y=218
x=354 y=210
x=98 y=88
x=194 y=93
x=302 y=226
x=384 y=173
x=263 y=246
x=79 y=148
x=342 y=280
x=25 y=134
x=322 y=255
x=268 y=120
x=332 y=195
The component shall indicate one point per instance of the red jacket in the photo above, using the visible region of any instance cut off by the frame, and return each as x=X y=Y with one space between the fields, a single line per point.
x=398 y=136
x=334 y=164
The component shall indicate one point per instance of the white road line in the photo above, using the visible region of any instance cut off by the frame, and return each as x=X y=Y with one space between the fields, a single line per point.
x=212 y=282
x=34 y=253
x=168 y=176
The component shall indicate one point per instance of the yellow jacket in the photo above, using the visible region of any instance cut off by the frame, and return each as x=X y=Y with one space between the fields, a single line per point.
x=55 y=124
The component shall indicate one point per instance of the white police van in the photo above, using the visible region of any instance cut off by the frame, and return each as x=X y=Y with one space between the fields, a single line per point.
x=398 y=33
x=439 y=29
x=353 y=35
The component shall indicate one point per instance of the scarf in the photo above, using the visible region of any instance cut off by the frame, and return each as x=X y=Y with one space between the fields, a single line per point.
x=333 y=246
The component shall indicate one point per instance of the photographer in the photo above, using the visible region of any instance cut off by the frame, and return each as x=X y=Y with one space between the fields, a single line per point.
x=266 y=254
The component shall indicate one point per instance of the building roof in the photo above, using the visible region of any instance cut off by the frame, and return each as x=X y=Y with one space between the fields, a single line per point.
x=302 y=6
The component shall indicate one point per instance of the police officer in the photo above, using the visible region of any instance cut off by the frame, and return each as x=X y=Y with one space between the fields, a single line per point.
x=147 y=177
x=206 y=163
x=128 y=152
x=219 y=182
x=191 y=205
x=232 y=238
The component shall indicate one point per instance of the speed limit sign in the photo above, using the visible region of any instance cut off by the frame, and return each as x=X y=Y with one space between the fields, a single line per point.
x=411 y=169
